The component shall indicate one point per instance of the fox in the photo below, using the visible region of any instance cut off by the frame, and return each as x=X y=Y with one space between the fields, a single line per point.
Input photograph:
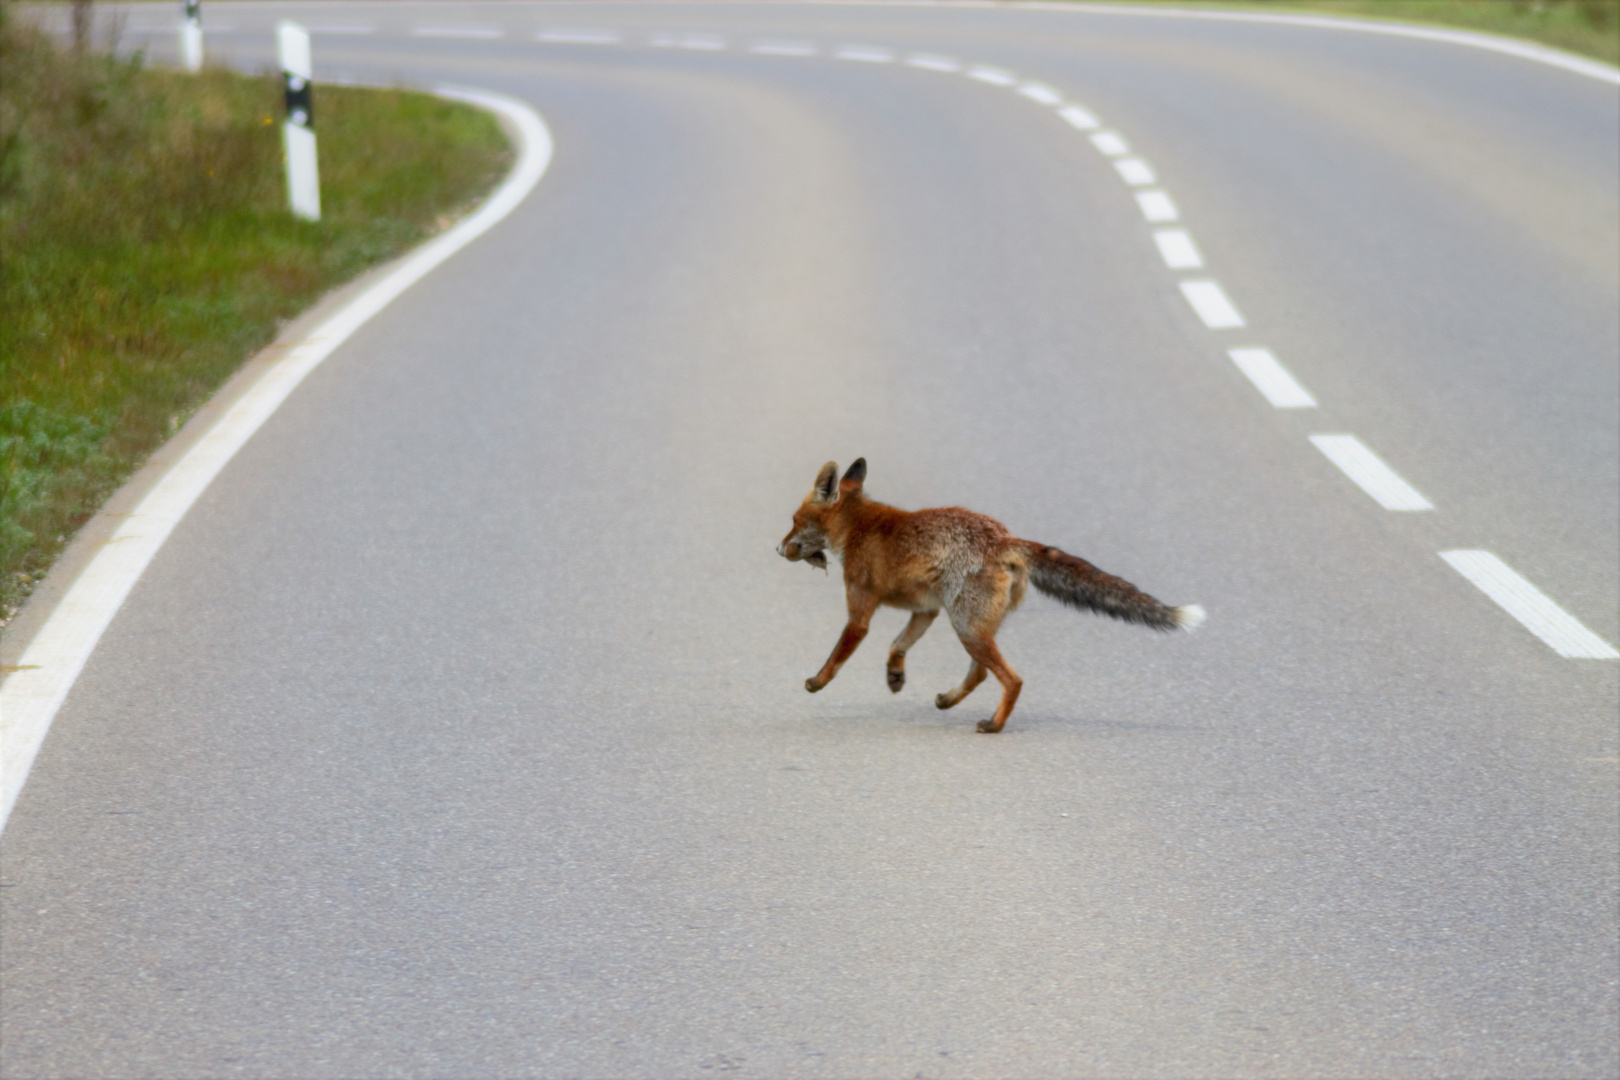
x=954 y=560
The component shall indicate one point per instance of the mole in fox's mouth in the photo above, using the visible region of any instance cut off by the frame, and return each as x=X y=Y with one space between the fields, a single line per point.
x=817 y=558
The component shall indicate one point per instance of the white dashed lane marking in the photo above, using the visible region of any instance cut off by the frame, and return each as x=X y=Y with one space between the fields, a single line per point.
x=871 y=54
x=566 y=36
x=1178 y=249
x=1135 y=171
x=1370 y=473
x=1040 y=93
x=1156 y=206
x=458 y=31
x=784 y=48
x=1110 y=143
x=1536 y=611
x=1209 y=301
x=1079 y=118
x=1272 y=379
x=993 y=76
x=709 y=42
x=930 y=62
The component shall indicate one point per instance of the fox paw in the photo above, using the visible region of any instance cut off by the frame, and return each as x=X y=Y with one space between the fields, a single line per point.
x=897 y=679
x=943 y=701
x=812 y=686
x=988 y=727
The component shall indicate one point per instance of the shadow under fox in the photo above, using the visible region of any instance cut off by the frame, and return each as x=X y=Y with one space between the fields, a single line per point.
x=953 y=560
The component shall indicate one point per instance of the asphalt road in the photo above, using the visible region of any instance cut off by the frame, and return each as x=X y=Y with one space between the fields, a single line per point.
x=460 y=729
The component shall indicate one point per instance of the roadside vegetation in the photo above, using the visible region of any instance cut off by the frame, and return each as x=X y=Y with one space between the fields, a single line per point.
x=146 y=251
x=1588 y=27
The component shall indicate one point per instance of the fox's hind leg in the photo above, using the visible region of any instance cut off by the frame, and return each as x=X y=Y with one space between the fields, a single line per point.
x=976 y=615
x=970 y=683
x=915 y=629
x=986 y=655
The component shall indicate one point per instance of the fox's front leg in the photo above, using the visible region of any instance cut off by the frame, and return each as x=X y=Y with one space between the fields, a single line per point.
x=915 y=629
x=861 y=607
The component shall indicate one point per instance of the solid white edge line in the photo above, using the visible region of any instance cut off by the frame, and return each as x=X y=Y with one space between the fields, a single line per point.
x=1370 y=472
x=1536 y=611
x=1541 y=54
x=1524 y=50
x=47 y=669
x=1272 y=379
x=1209 y=300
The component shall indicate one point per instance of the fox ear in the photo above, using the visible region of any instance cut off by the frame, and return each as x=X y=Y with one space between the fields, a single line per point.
x=855 y=476
x=826 y=488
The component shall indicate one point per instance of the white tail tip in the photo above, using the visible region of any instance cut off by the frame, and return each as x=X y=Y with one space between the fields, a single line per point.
x=1190 y=617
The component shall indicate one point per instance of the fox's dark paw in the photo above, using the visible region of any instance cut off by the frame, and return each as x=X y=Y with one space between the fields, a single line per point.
x=897 y=679
x=812 y=686
x=943 y=701
x=988 y=727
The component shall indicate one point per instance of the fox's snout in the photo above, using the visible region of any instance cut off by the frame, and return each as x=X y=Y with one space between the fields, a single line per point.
x=789 y=550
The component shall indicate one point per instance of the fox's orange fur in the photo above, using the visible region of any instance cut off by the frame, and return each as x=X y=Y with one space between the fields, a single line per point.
x=953 y=560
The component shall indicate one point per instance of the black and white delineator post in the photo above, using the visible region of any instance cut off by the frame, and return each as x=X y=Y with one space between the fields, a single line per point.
x=191 y=44
x=303 y=180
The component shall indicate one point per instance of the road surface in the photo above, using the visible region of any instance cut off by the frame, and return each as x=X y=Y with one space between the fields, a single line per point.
x=460 y=730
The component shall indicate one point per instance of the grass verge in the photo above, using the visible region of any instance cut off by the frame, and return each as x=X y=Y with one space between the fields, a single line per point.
x=146 y=251
x=1588 y=27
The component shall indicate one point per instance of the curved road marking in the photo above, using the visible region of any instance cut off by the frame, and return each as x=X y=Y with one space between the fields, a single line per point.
x=1110 y=143
x=992 y=75
x=1542 y=54
x=1040 y=93
x=46 y=671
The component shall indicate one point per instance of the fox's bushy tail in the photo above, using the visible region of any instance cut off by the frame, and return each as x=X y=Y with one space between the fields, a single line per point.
x=1078 y=584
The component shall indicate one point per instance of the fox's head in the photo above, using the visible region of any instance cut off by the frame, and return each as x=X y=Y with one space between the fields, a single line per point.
x=810 y=536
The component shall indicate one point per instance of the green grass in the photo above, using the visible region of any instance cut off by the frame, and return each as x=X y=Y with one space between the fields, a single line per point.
x=146 y=251
x=1588 y=27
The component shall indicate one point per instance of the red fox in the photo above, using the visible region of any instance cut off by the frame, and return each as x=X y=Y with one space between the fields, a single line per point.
x=968 y=564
